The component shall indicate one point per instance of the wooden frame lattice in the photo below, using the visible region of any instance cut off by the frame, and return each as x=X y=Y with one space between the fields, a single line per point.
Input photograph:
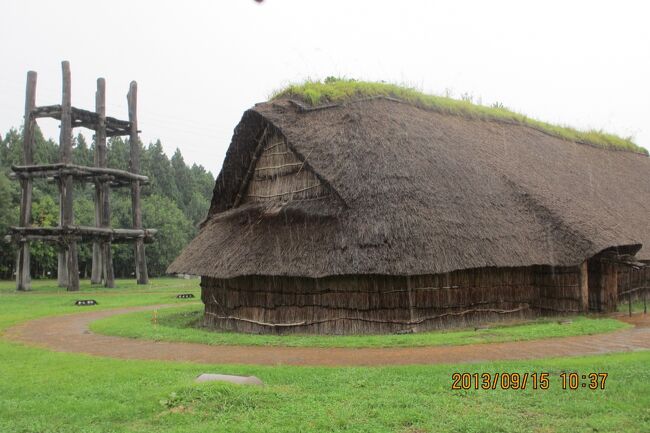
x=66 y=235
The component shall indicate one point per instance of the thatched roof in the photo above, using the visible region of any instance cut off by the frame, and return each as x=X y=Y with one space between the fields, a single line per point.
x=416 y=191
x=335 y=90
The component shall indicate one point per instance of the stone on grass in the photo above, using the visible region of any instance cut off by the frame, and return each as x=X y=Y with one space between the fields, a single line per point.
x=240 y=380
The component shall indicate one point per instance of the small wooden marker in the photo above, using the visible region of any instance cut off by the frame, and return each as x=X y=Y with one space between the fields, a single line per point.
x=85 y=302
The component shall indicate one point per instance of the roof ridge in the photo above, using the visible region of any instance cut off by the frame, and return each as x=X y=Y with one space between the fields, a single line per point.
x=340 y=91
x=303 y=108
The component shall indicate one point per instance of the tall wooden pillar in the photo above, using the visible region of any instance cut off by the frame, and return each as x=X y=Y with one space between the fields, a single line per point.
x=67 y=188
x=23 y=276
x=100 y=135
x=584 y=286
x=102 y=189
x=134 y=167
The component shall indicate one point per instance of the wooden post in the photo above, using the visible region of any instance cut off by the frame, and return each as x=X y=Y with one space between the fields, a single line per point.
x=62 y=255
x=134 y=167
x=104 y=187
x=67 y=181
x=23 y=276
x=584 y=286
x=100 y=136
x=62 y=268
x=97 y=257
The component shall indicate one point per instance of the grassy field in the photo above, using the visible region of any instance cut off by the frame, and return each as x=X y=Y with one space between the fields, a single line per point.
x=180 y=324
x=338 y=90
x=43 y=391
x=46 y=299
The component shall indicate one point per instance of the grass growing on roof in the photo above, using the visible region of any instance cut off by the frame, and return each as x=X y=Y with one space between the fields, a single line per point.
x=180 y=324
x=334 y=90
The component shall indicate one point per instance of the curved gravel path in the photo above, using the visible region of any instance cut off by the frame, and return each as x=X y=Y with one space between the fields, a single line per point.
x=70 y=334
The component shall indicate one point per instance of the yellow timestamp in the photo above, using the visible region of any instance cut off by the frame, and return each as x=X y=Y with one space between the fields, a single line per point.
x=575 y=381
x=521 y=381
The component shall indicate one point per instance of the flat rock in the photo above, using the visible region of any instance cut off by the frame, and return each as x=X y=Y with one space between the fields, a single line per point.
x=240 y=380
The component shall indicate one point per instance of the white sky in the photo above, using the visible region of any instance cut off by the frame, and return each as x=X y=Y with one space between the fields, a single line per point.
x=200 y=64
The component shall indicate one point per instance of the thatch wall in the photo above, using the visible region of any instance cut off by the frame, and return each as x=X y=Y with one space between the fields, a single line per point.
x=387 y=304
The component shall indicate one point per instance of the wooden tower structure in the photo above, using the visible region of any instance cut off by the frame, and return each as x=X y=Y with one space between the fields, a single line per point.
x=66 y=173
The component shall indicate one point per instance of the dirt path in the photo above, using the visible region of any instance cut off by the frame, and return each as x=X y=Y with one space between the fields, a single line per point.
x=70 y=334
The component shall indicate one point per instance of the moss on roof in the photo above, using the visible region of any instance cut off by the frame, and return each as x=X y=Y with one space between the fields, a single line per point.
x=334 y=90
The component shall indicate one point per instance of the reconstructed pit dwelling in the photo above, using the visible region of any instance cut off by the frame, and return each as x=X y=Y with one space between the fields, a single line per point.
x=373 y=215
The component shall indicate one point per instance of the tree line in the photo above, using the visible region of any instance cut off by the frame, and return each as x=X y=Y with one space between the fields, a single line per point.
x=175 y=201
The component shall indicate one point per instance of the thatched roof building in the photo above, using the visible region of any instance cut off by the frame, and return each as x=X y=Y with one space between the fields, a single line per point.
x=468 y=218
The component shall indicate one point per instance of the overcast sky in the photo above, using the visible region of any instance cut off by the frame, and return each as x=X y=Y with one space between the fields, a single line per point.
x=200 y=64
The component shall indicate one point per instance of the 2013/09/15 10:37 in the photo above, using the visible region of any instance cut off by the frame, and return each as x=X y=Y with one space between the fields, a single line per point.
x=521 y=381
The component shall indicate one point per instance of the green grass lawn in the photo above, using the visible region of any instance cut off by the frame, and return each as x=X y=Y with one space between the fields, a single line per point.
x=43 y=391
x=180 y=324
x=46 y=299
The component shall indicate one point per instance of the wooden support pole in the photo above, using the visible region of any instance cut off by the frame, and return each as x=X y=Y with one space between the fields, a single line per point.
x=66 y=181
x=134 y=166
x=23 y=276
x=98 y=264
x=97 y=269
x=102 y=162
x=584 y=286
x=62 y=254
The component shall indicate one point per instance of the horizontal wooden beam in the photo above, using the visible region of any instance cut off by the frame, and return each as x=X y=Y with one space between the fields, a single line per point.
x=58 y=239
x=112 y=182
x=53 y=177
x=83 y=233
x=90 y=173
x=13 y=238
x=86 y=119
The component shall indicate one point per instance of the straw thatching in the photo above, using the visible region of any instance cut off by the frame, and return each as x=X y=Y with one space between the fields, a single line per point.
x=378 y=192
